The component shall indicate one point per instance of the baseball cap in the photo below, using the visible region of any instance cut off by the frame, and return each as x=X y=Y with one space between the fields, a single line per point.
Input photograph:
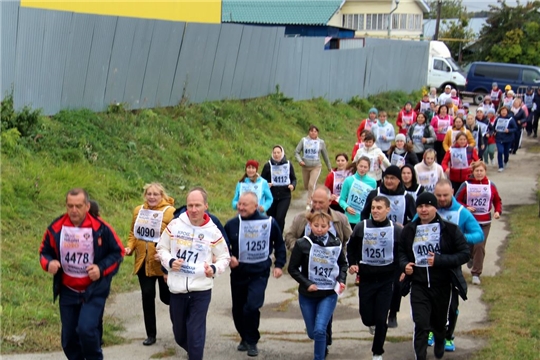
x=448 y=87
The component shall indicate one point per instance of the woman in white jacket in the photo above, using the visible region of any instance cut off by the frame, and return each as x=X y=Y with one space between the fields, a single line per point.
x=428 y=172
x=378 y=159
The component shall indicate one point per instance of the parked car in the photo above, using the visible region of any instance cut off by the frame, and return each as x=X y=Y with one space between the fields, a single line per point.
x=482 y=75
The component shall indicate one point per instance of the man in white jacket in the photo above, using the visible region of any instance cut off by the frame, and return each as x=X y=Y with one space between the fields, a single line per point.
x=186 y=249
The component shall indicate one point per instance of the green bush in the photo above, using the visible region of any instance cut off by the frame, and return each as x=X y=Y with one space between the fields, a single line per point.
x=25 y=120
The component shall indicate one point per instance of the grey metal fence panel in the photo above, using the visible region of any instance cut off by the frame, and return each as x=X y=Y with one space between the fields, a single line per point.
x=168 y=63
x=241 y=62
x=188 y=66
x=8 y=40
x=263 y=85
x=280 y=31
x=78 y=46
x=137 y=63
x=53 y=61
x=120 y=56
x=251 y=80
x=288 y=69
x=99 y=62
x=225 y=61
x=28 y=57
x=207 y=62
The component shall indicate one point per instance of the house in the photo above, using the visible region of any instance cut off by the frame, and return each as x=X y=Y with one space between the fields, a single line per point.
x=369 y=18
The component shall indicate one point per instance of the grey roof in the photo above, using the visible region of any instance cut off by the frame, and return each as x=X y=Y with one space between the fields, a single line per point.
x=475 y=24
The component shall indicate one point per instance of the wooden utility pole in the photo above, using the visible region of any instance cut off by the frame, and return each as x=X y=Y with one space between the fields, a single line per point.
x=439 y=6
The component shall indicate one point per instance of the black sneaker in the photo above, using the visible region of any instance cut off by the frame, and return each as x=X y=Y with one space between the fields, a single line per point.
x=438 y=349
x=242 y=346
x=392 y=322
x=149 y=341
x=253 y=351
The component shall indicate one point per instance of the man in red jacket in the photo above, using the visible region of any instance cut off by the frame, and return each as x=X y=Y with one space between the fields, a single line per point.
x=83 y=253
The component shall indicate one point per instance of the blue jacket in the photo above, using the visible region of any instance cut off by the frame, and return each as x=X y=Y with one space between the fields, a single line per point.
x=503 y=137
x=277 y=245
x=266 y=198
x=468 y=225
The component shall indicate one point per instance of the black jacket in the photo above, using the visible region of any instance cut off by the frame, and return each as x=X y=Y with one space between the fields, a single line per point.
x=410 y=157
x=446 y=268
x=279 y=192
x=299 y=264
x=371 y=273
x=410 y=204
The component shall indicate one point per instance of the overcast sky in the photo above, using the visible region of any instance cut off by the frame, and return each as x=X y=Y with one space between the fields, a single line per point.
x=477 y=5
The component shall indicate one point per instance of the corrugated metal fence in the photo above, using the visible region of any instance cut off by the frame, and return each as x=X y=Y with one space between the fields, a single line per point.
x=57 y=60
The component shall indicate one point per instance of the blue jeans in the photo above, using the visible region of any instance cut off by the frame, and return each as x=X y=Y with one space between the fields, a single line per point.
x=503 y=149
x=317 y=313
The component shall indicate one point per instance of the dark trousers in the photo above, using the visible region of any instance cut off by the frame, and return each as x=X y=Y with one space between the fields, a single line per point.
x=247 y=292
x=375 y=299
x=536 y=117
x=503 y=149
x=440 y=151
x=188 y=316
x=278 y=211
x=148 y=292
x=517 y=139
x=81 y=337
x=396 y=295
x=429 y=308
x=453 y=313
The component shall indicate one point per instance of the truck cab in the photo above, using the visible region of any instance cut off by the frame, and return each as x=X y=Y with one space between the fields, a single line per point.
x=442 y=69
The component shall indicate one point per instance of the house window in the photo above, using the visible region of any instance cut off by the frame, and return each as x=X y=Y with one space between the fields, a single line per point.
x=353 y=21
x=410 y=23
x=376 y=21
x=395 y=22
x=418 y=22
x=403 y=21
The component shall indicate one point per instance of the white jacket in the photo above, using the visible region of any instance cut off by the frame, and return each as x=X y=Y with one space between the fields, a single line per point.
x=376 y=168
x=180 y=232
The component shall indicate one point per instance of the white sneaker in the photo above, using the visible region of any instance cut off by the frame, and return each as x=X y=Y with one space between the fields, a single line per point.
x=372 y=330
x=476 y=280
x=501 y=169
x=377 y=357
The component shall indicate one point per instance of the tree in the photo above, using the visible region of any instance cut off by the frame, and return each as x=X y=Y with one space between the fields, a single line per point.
x=451 y=9
x=511 y=34
x=456 y=35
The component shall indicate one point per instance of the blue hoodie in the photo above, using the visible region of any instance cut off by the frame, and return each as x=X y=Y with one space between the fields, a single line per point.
x=459 y=215
x=262 y=185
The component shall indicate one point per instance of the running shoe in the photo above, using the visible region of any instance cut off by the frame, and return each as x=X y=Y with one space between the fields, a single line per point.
x=372 y=330
x=449 y=346
x=501 y=169
x=476 y=280
x=430 y=339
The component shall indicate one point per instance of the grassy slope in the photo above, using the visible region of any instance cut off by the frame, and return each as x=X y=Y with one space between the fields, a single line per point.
x=113 y=155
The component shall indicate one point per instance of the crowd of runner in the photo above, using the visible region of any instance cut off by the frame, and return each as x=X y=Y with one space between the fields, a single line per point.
x=401 y=215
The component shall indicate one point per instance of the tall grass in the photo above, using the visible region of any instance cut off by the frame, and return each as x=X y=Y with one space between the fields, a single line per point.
x=114 y=154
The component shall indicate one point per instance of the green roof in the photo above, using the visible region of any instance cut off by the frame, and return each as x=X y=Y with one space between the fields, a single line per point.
x=282 y=12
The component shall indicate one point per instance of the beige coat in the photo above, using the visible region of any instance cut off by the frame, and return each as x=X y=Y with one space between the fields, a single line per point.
x=145 y=251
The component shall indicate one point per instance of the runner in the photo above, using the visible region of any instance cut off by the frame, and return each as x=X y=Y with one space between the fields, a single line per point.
x=441 y=123
x=479 y=195
x=308 y=153
x=252 y=181
x=319 y=265
x=423 y=105
x=504 y=127
x=402 y=153
x=384 y=132
x=491 y=146
x=408 y=178
x=508 y=98
x=433 y=97
x=486 y=104
x=406 y=117
x=520 y=115
x=474 y=128
x=359 y=144
x=372 y=252
x=528 y=98
x=452 y=108
x=279 y=173
x=458 y=127
x=149 y=220
x=368 y=123
x=455 y=98
x=536 y=112
x=445 y=95
x=431 y=252
x=356 y=189
x=457 y=162
x=421 y=136
x=496 y=95
x=334 y=180
x=428 y=172
x=377 y=158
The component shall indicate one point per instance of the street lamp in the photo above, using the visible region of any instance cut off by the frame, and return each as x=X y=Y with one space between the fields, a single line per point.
x=390 y=18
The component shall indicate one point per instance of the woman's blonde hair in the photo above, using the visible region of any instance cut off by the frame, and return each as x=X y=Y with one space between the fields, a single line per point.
x=316 y=215
x=478 y=164
x=158 y=186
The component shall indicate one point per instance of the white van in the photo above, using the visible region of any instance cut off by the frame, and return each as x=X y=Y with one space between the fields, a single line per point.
x=442 y=69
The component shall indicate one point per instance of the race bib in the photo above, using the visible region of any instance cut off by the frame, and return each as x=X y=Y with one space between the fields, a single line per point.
x=502 y=125
x=373 y=162
x=450 y=215
x=252 y=187
x=478 y=197
x=483 y=127
x=358 y=194
x=428 y=180
x=397 y=207
x=426 y=240
x=339 y=177
x=378 y=245
x=323 y=265
x=192 y=246
x=418 y=134
x=280 y=174
x=254 y=240
x=458 y=158
x=311 y=149
x=76 y=250
x=397 y=160
x=407 y=122
x=443 y=126
x=148 y=225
